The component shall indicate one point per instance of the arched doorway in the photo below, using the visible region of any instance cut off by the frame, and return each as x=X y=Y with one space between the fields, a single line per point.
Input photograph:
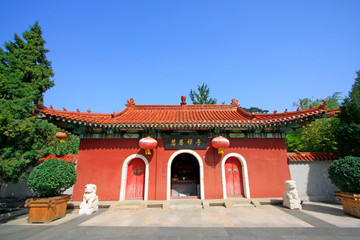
x=188 y=171
x=135 y=179
x=127 y=169
x=185 y=176
x=238 y=162
x=233 y=176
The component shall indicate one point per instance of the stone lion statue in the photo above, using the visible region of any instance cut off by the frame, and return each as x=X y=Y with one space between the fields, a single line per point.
x=290 y=196
x=90 y=201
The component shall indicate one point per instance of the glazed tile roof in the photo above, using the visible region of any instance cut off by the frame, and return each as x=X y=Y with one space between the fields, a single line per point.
x=66 y=158
x=311 y=156
x=182 y=116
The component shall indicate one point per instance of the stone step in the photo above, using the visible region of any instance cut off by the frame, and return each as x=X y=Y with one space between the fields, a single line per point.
x=128 y=205
x=185 y=203
x=240 y=202
x=214 y=203
x=270 y=201
x=185 y=206
x=182 y=203
x=155 y=205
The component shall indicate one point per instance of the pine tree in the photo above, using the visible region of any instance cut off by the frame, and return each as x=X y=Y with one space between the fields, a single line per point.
x=203 y=95
x=25 y=74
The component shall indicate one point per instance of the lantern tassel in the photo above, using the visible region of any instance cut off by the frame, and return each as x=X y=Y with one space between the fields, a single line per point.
x=62 y=140
x=220 y=151
x=147 y=152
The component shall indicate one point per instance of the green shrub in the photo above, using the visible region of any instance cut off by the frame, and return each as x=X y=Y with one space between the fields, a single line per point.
x=345 y=174
x=52 y=178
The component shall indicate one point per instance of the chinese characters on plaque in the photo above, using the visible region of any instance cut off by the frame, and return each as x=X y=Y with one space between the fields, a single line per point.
x=186 y=142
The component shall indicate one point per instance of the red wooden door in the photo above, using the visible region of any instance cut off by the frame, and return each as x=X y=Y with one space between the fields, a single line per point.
x=233 y=175
x=135 y=179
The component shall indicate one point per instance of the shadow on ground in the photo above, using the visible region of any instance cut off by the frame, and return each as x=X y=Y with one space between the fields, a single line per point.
x=324 y=209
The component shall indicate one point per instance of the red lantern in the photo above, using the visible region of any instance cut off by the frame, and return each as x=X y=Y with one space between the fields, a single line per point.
x=147 y=144
x=220 y=143
x=62 y=136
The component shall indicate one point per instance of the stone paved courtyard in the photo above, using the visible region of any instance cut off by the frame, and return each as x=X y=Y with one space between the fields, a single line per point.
x=315 y=221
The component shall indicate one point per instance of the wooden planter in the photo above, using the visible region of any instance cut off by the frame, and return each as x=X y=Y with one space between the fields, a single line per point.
x=350 y=203
x=45 y=210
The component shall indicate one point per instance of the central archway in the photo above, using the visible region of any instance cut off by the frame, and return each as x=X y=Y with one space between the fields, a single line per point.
x=200 y=177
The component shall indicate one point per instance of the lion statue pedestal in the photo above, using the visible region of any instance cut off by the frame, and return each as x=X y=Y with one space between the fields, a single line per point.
x=90 y=202
x=290 y=196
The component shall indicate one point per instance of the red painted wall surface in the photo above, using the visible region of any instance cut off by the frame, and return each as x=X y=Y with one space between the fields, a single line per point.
x=101 y=160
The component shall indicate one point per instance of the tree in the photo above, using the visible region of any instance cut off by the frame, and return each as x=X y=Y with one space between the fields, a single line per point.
x=319 y=135
x=255 y=110
x=348 y=133
x=303 y=103
x=25 y=74
x=202 y=97
x=333 y=102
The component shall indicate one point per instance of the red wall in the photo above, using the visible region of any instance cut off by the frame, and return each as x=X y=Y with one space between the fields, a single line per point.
x=100 y=162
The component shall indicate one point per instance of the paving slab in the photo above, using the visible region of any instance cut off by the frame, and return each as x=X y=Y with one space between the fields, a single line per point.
x=331 y=213
x=316 y=221
x=267 y=216
x=22 y=220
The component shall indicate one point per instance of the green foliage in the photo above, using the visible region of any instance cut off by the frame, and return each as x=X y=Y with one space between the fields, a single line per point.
x=345 y=174
x=255 y=110
x=355 y=90
x=25 y=71
x=202 y=97
x=318 y=136
x=70 y=146
x=25 y=74
x=303 y=103
x=348 y=134
x=52 y=178
x=333 y=102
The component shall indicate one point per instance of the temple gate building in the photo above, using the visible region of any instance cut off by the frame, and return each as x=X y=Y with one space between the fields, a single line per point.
x=184 y=163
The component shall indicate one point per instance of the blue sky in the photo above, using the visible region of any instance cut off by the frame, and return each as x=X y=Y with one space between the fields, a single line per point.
x=266 y=54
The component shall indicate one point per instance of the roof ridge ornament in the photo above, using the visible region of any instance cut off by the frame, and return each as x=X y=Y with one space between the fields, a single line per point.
x=323 y=105
x=130 y=103
x=183 y=100
x=235 y=102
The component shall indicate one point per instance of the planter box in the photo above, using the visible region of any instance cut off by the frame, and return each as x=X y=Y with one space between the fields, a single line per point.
x=45 y=210
x=350 y=203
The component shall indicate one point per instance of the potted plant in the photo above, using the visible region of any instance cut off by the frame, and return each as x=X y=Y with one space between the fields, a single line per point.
x=49 y=180
x=345 y=174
